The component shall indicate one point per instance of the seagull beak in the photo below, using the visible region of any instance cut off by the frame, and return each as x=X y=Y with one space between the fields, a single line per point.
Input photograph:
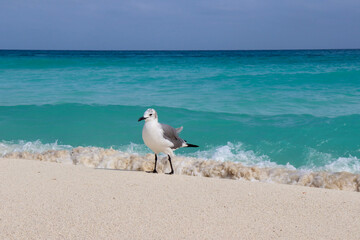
x=142 y=118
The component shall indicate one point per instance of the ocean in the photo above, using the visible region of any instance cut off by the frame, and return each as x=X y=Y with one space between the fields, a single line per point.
x=297 y=110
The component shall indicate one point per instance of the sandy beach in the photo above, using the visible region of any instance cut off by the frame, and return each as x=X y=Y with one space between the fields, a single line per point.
x=43 y=200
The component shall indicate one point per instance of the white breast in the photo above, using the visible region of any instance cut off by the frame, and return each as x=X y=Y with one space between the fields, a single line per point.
x=153 y=137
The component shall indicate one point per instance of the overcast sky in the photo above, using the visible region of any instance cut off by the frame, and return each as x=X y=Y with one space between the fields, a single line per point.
x=179 y=24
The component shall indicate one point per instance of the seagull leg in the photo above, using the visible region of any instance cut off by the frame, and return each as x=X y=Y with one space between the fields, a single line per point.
x=172 y=170
x=154 y=171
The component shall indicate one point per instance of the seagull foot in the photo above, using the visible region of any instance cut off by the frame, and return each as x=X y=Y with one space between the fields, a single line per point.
x=170 y=173
x=154 y=171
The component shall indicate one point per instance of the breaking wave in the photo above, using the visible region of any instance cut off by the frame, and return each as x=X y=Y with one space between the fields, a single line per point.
x=31 y=147
x=228 y=161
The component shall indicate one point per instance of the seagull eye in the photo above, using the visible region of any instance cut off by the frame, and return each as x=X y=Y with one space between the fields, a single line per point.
x=150 y=114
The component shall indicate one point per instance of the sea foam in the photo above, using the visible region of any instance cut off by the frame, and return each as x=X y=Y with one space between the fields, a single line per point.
x=194 y=166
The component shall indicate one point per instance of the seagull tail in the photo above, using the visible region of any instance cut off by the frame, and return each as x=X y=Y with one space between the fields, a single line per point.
x=191 y=145
x=186 y=144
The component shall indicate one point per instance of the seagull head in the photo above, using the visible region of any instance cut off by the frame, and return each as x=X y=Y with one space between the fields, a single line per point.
x=149 y=115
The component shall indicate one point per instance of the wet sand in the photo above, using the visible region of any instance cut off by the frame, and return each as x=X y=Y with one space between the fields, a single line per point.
x=44 y=200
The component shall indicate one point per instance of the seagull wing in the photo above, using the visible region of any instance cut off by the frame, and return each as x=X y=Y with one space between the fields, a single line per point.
x=178 y=130
x=171 y=134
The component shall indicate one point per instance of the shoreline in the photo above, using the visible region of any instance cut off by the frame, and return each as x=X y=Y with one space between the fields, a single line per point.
x=42 y=200
x=94 y=157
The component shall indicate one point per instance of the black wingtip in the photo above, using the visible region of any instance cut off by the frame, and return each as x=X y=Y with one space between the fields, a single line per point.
x=191 y=145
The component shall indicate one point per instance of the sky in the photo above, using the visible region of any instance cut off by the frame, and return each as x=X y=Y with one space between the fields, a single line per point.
x=179 y=25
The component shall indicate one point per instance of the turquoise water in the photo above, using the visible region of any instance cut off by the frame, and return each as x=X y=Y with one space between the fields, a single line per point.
x=298 y=108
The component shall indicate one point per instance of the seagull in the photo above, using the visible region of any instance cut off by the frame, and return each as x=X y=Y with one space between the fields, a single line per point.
x=161 y=137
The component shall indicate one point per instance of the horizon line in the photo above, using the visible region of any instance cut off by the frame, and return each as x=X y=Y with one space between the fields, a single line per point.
x=183 y=50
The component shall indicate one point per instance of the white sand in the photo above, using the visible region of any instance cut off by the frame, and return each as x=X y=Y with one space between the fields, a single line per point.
x=42 y=200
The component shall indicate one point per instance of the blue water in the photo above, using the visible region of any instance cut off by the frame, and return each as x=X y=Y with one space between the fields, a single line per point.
x=300 y=108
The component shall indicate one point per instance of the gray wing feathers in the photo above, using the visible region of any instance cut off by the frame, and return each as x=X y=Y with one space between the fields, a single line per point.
x=178 y=130
x=171 y=134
